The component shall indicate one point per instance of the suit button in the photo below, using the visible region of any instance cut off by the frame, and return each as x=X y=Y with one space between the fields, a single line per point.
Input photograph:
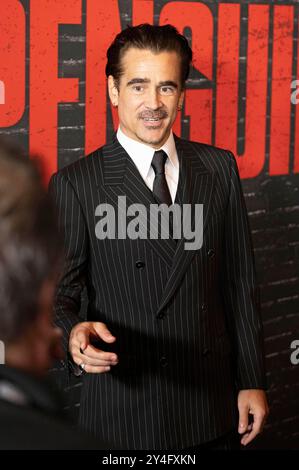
x=206 y=351
x=204 y=307
x=140 y=264
x=161 y=315
x=211 y=253
x=163 y=361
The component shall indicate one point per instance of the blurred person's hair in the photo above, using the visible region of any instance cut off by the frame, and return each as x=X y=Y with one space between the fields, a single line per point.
x=155 y=38
x=30 y=245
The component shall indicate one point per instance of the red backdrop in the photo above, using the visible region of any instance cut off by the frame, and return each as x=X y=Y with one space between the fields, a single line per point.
x=213 y=111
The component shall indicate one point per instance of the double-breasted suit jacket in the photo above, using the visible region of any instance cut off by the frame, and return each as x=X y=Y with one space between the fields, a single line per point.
x=187 y=322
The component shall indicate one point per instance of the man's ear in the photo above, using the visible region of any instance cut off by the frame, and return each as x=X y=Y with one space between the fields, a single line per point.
x=113 y=91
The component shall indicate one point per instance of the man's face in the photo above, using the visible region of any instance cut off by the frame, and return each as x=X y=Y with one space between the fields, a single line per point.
x=149 y=95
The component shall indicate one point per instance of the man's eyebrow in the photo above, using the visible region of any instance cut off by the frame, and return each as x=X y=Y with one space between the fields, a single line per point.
x=168 y=83
x=138 y=80
x=147 y=80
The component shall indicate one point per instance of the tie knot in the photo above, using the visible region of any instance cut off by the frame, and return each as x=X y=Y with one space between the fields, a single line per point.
x=158 y=162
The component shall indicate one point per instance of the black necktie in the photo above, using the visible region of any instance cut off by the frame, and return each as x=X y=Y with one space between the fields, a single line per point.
x=160 y=187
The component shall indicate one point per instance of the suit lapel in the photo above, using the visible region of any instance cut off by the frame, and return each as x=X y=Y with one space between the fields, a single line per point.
x=196 y=186
x=122 y=178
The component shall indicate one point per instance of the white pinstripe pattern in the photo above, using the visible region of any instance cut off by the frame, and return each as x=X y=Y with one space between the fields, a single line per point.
x=211 y=332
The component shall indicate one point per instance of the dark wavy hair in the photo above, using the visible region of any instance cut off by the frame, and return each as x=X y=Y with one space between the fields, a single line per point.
x=146 y=36
x=30 y=245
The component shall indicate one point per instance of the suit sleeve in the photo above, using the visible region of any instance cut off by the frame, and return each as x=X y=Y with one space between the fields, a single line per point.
x=240 y=289
x=72 y=225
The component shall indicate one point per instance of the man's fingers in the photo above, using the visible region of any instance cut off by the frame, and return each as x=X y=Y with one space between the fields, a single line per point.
x=103 y=332
x=96 y=369
x=243 y=419
x=82 y=337
x=103 y=359
x=92 y=367
x=94 y=360
x=92 y=353
x=257 y=427
x=95 y=353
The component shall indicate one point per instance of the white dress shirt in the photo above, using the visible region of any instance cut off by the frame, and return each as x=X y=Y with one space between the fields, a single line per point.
x=142 y=156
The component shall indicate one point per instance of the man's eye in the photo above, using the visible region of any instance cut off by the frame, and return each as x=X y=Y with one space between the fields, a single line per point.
x=138 y=88
x=167 y=90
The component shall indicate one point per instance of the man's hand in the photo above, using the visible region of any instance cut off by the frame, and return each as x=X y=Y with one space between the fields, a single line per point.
x=253 y=402
x=95 y=360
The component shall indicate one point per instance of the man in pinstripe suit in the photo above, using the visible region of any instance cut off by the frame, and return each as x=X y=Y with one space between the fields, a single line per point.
x=172 y=344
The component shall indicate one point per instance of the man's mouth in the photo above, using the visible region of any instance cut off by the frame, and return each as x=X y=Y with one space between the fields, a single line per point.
x=153 y=122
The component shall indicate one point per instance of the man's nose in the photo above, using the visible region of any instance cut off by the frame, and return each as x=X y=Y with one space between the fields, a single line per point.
x=153 y=100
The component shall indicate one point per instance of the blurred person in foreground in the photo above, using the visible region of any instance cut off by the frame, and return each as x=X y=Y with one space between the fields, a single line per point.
x=31 y=413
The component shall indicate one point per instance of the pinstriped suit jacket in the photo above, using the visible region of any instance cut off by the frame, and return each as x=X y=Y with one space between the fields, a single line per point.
x=187 y=323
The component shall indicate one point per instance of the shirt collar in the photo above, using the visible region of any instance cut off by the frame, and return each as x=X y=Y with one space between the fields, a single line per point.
x=142 y=154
